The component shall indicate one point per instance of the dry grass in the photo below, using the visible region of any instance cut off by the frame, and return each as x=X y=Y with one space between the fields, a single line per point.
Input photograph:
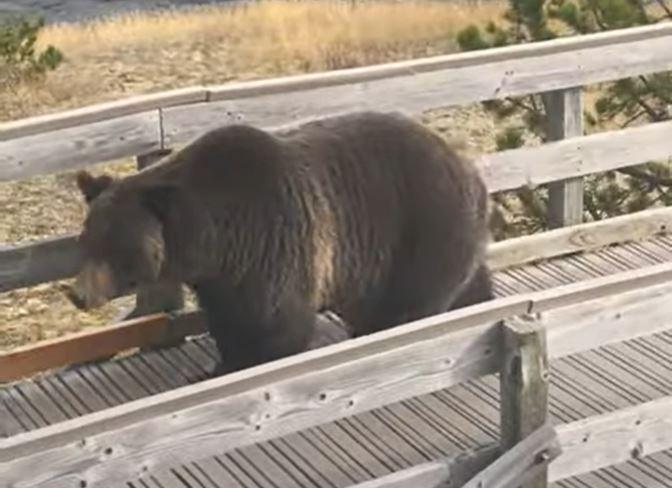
x=143 y=53
x=149 y=52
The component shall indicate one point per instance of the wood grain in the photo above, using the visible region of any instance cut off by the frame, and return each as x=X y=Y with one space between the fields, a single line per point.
x=264 y=402
x=620 y=39
x=523 y=397
x=101 y=112
x=31 y=264
x=580 y=238
x=148 y=331
x=411 y=86
x=24 y=266
x=602 y=287
x=289 y=395
x=88 y=345
x=607 y=320
x=604 y=440
x=414 y=90
x=449 y=471
x=577 y=156
x=564 y=109
x=522 y=464
x=76 y=147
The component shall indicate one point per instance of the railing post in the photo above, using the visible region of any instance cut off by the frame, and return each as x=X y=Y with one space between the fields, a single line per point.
x=162 y=297
x=524 y=386
x=564 y=109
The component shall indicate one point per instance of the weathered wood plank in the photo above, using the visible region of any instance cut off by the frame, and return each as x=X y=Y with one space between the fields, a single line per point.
x=75 y=147
x=604 y=288
x=580 y=238
x=92 y=344
x=564 y=110
x=575 y=157
x=621 y=39
x=34 y=263
x=149 y=331
x=621 y=282
x=264 y=402
x=451 y=61
x=409 y=85
x=415 y=90
x=55 y=259
x=415 y=86
x=524 y=396
x=604 y=440
x=607 y=320
x=101 y=112
x=523 y=464
x=450 y=471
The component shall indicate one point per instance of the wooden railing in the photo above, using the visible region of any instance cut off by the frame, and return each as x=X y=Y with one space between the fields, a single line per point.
x=149 y=125
x=515 y=336
x=285 y=396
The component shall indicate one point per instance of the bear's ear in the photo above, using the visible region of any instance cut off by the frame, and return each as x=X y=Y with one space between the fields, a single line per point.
x=158 y=199
x=90 y=186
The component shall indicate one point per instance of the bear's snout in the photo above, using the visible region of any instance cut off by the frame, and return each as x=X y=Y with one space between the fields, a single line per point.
x=93 y=287
x=74 y=297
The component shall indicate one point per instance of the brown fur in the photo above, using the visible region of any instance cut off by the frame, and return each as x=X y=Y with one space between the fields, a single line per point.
x=369 y=215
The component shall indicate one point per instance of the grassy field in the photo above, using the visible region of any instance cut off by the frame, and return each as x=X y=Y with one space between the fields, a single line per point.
x=150 y=52
x=144 y=53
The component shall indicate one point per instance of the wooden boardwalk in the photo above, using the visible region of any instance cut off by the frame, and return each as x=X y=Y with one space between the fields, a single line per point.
x=387 y=439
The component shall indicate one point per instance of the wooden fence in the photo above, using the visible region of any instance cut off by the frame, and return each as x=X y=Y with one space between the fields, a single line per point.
x=514 y=336
x=149 y=125
x=261 y=403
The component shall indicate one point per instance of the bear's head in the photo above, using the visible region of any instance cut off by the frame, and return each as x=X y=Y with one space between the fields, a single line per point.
x=121 y=243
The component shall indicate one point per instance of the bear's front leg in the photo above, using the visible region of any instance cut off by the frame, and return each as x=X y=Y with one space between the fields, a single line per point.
x=250 y=329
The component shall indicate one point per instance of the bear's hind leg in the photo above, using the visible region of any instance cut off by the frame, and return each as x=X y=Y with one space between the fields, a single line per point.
x=249 y=331
x=416 y=292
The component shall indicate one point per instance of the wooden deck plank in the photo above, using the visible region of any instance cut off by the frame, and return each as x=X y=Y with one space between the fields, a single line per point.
x=89 y=399
x=14 y=420
x=314 y=461
x=59 y=394
x=212 y=474
x=458 y=411
x=350 y=473
x=34 y=399
x=263 y=469
x=376 y=443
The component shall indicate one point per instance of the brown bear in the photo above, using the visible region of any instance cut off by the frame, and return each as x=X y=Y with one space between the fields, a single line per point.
x=369 y=215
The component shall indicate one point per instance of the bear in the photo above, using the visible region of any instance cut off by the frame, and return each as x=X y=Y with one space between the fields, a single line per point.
x=370 y=215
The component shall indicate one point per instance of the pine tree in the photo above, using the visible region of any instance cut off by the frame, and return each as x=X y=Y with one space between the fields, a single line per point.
x=619 y=104
x=19 y=59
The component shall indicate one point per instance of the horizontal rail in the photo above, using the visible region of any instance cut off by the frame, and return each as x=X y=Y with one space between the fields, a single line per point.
x=580 y=238
x=576 y=156
x=477 y=468
x=613 y=438
x=57 y=258
x=260 y=403
x=457 y=469
x=104 y=111
x=587 y=445
x=89 y=345
x=59 y=142
x=336 y=381
x=156 y=330
x=101 y=112
x=159 y=329
x=52 y=260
